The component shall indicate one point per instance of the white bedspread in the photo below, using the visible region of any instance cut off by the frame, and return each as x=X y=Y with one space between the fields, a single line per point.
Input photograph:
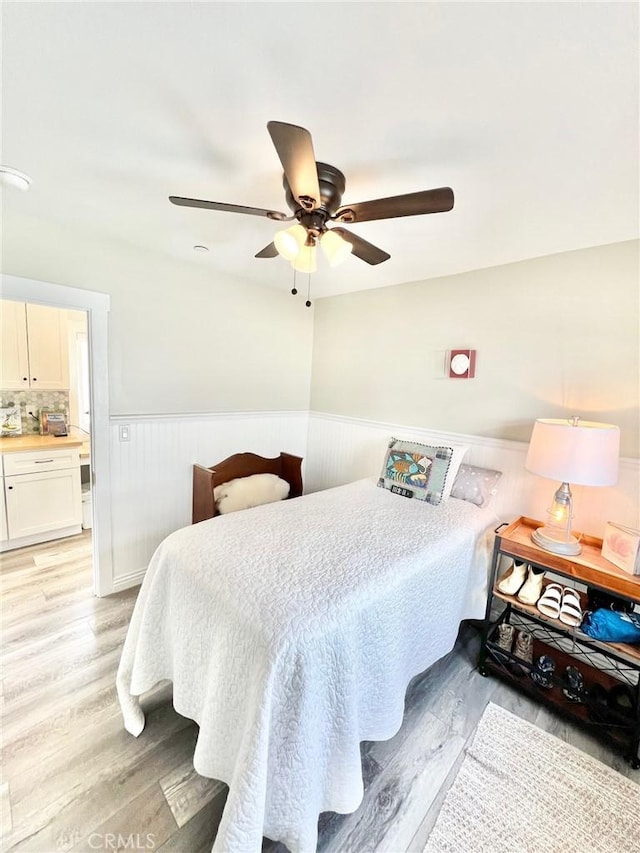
x=290 y=632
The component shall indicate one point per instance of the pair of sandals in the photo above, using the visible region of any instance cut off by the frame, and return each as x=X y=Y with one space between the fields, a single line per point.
x=562 y=603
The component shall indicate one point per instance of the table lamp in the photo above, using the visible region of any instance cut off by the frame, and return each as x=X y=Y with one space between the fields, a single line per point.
x=573 y=451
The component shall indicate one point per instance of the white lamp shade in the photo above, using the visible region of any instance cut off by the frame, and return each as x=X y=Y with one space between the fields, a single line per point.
x=305 y=260
x=289 y=241
x=335 y=247
x=585 y=454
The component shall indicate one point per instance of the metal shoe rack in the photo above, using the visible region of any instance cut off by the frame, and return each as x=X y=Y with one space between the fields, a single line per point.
x=603 y=664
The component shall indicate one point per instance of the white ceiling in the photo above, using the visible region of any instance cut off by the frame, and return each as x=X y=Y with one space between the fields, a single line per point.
x=528 y=110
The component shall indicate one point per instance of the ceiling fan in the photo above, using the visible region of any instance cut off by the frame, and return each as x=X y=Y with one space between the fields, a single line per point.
x=313 y=192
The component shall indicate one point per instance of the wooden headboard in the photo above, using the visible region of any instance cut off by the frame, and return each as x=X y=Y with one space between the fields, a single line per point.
x=205 y=480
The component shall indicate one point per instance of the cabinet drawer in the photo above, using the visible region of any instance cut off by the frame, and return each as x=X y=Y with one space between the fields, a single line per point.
x=34 y=462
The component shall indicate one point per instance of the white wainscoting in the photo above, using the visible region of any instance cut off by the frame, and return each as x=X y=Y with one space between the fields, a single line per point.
x=151 y=473
x=341 y=449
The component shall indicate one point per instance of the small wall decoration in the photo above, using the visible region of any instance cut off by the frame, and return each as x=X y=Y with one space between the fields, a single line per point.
x=621 y=546
x=462 y=364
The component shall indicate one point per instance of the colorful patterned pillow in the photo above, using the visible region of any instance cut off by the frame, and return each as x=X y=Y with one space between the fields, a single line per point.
x=421 y=471
x=476 y=485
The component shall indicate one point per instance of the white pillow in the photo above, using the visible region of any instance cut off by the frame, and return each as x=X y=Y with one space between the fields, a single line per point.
x=250 y=491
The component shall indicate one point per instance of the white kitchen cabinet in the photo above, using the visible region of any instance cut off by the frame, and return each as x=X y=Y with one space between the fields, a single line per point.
x=35 y=348
x=4 y=532
x=14 y=369
x=43 y=495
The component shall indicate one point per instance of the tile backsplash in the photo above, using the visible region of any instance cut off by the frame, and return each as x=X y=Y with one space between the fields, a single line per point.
x=33 y=401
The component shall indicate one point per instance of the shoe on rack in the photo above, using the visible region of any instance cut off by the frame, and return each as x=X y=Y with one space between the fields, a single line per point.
x=620 y=700
x=505 y=637
x=511 y=582
x=524 y=647
x=532 y=589
x=573 y=684
x=550 y=600
x=570 y=609
x=523 y=650
x=542 y=672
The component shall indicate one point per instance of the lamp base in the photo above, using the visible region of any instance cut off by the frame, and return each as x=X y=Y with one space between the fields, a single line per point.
x=556 y=541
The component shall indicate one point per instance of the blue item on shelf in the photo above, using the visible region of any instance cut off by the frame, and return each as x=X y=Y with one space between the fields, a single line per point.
x=612 y=627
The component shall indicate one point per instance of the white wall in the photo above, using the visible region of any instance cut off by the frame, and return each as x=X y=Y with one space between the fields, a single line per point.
x=77 y=326
x=151 y=474
x=555 y=336
x=183 y=342
x=183 y=338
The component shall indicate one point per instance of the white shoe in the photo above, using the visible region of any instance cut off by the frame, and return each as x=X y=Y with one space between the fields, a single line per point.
x=532 y=590
x=510 y=584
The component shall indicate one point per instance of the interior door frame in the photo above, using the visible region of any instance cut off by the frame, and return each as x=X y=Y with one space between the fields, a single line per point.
x=97 y=307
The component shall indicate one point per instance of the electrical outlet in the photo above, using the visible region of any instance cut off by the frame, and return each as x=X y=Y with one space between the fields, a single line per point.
x=124 y=432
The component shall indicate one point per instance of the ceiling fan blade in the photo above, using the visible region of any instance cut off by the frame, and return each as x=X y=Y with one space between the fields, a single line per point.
x=229 y=208
x=362 y=249
x=269 y=251
x=412 y=204
x=295 y=150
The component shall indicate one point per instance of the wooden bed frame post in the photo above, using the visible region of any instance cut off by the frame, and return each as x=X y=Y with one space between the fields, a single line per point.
x=203 y=506
x=291 y=471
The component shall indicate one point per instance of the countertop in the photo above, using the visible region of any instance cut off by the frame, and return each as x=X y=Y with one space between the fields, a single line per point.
x=28 y=441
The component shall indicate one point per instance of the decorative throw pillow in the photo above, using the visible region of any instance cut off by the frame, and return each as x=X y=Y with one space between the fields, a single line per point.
x=476 y=485
x=421 y=471
x=246 y=492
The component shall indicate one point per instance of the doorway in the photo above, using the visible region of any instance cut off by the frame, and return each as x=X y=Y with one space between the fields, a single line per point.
x=96 y=307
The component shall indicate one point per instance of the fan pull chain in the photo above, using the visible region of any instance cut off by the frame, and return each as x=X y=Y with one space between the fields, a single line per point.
x=294 y=289
x=308 y=302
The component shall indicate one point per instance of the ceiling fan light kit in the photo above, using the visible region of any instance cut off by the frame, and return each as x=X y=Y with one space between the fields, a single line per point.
x=305 y=260
x=313 y=192
x=335 y=248
x=289 y=241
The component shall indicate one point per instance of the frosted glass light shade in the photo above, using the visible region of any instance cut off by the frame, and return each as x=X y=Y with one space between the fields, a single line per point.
x=585 y=454
x=289 y=242
x=305 y=260
x=335 y=247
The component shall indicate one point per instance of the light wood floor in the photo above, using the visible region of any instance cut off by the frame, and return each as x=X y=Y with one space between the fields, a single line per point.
x=75 y=780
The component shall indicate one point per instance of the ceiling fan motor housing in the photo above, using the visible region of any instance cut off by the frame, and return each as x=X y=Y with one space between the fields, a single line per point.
x=332 y=186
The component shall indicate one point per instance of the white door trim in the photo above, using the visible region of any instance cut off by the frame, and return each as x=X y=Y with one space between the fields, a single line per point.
x=97 y=307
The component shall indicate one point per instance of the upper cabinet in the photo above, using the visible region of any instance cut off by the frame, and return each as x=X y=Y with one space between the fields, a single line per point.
x=35 y=348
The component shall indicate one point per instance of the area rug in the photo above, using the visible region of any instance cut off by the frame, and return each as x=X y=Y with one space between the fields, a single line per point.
x=522 y=790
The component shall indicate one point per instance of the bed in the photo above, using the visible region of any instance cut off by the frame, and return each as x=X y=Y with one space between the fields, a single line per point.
x=290 y=632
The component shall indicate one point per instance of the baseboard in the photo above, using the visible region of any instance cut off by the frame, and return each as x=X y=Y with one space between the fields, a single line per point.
x=127 y=581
